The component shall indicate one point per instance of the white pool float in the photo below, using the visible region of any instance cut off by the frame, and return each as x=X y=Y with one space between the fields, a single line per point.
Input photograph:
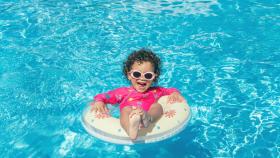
x=105 y=127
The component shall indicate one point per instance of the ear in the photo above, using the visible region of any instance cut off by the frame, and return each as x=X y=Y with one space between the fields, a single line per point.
x=128 y=77
x=155 y=77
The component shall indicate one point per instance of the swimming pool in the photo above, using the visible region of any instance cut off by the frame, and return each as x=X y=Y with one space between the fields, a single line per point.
x=222 y=55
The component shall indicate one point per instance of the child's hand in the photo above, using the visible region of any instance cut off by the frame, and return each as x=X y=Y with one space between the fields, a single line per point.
x=99 y=106
x=175 y=97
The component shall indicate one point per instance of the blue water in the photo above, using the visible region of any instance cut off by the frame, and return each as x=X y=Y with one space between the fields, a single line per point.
x=224 y=56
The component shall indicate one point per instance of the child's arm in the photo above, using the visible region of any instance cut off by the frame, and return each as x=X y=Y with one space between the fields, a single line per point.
x=99 y=106
x=173 y=95
x=110 y=97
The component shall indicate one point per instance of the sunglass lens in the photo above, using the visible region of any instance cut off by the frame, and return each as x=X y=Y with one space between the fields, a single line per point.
x=148 y=76
x=136 y=74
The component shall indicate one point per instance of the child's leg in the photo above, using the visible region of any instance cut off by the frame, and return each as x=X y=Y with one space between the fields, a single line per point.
x=154 y=113
x=130 y=121
x=124 y=118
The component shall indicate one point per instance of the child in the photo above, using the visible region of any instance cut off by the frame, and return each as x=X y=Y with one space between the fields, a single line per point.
x=138 y=103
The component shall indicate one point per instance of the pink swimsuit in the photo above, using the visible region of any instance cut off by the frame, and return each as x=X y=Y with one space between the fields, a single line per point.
x=128 y=96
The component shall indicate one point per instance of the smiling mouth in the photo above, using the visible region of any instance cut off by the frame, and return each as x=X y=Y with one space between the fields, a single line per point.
x=142 y=84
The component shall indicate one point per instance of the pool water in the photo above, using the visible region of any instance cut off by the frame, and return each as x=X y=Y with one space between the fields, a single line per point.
x=224 y=57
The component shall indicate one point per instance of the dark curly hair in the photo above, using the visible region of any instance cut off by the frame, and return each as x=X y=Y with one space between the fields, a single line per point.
x=142 y=55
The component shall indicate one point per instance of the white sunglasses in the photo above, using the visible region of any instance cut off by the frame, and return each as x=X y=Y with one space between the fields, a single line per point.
x=136 y=74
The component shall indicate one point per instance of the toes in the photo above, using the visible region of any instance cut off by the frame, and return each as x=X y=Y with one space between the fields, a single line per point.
x=146 y=119
x=133 y=112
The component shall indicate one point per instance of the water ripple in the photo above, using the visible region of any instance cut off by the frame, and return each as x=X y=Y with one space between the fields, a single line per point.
x=223 y=56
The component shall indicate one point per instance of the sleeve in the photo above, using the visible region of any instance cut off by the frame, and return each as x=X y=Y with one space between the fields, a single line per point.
x=168 y=91
x=111 y=97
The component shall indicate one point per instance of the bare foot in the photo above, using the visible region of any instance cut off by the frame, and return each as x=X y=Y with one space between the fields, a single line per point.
x=146 y=119
x=134 y=122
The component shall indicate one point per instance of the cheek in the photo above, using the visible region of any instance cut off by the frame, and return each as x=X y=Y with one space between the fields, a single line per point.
x=132 y=80
x=150 y=82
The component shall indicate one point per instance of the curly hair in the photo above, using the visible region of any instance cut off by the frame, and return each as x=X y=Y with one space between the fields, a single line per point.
x=142 y=55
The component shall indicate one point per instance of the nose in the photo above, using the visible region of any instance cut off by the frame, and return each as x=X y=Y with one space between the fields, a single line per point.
x=142 y=78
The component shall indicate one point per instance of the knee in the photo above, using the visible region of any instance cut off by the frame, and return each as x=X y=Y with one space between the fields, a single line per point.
x=157 y=106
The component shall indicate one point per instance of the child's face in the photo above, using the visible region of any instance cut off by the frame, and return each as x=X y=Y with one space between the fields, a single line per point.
x=141 y=84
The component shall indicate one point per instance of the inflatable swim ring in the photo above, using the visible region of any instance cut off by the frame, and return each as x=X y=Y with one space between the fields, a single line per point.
x=108 y=128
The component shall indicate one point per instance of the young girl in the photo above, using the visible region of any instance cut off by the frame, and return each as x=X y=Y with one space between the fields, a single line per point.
x=138 y=103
